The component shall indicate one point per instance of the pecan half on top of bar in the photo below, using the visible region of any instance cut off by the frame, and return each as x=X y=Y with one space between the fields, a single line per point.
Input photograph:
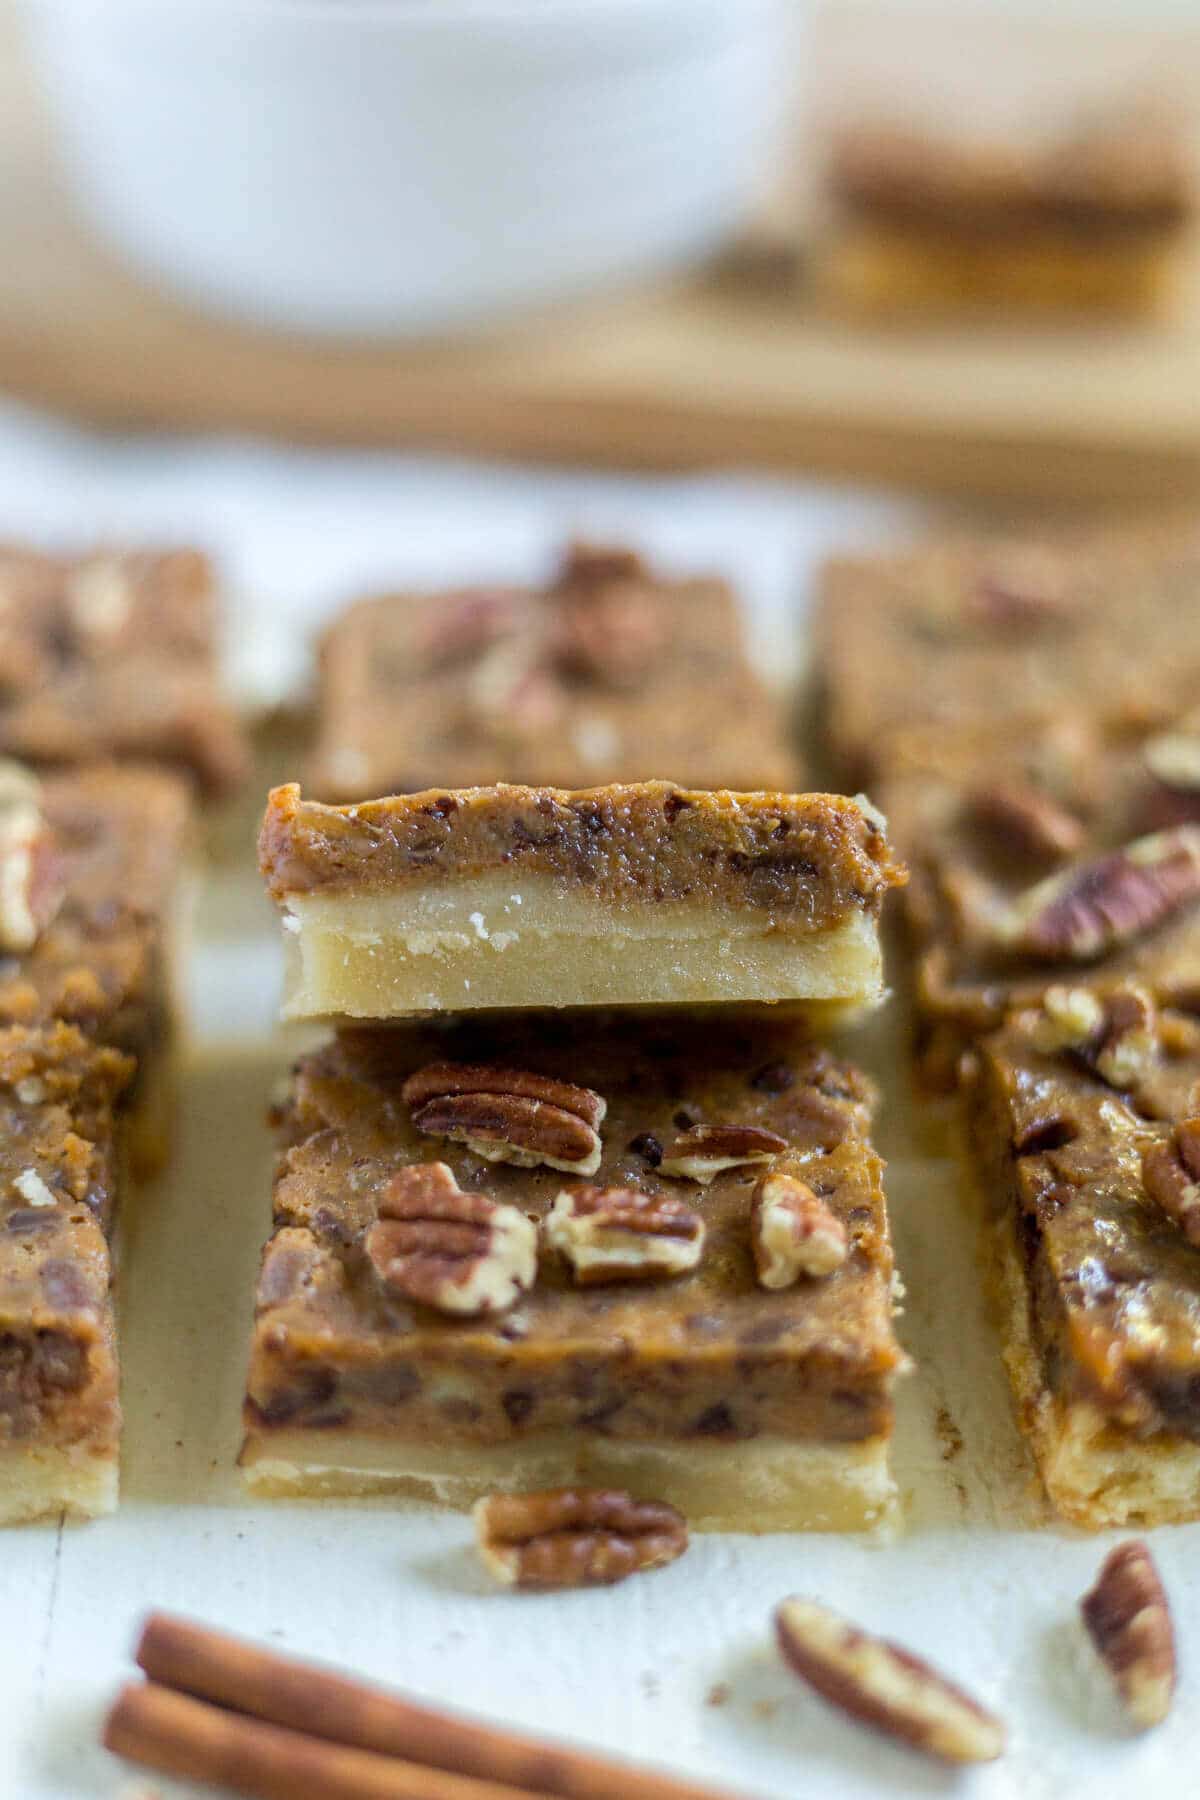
x=703 y=1152
x=623 y=1234
x=1095 y=907
x=793 y=1232
x=1114 y=1033
x=457 y=1252
x=508 y=1115
x=1171 y=1177
x=575 y=1537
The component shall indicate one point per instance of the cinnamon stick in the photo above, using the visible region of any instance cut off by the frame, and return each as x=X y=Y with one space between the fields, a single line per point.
x=325 y=1705
x=180 y=1736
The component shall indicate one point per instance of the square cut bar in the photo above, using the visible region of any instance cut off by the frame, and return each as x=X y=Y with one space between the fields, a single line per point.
x=749 y=1407
x=514 y=897
x=116 y=840
x=114 y=655
x=1050 y=859
x=1090 y=218
x=929 y=651
x=59 y=1410
x=1087 y=1157
x=605 y=675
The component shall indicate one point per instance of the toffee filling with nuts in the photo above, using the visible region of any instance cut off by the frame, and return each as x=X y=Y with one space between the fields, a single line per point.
x=1068 y=864
x=809 y=859
x=57 y=1196
x=593 y=678
x=101 y=961
x=114 y=655
x=691 y=1349
x=1112 y=1277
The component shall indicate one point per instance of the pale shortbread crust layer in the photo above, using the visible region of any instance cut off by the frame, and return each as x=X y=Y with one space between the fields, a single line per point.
x=1095 y=1474
x=498 y=942
x=765 y=1484
x=871 y=268
x=43 y=1481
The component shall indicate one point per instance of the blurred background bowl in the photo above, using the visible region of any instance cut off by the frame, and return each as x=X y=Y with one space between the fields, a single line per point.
x=380 y=166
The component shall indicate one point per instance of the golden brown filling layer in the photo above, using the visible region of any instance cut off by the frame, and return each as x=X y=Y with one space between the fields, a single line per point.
x=805 y=860
x=705 y=1354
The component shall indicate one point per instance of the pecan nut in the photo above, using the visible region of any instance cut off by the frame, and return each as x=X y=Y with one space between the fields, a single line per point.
x=457 y=1252
x=575 y=1537
x=793 y=1232
x=1128 y=1619
x=703 y=1151
x=1171 y=1177
x=622 y=1234
x=509 y=1115
x=612 y=636
x=885 y=1686
x=1028 y=820
x=1021 y=586
x=1115 y=1034
x=1173 y=758
x=30 y=891
x=1095 y=907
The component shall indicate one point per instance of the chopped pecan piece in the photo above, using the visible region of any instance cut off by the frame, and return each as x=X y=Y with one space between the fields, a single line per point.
x=575 y=1537
x=1096 y=906
x=1174 y=759
x=464 y=625
x=509 y=1115
x=29 y=890
x=611 y=636
x=704 y=1151
x=1129 y=1621
x=458 y=1252
x=793 y=1232
x=1026 y=819
x=621 y=1234
x=1020 y=588
x=1115 y=1033
x=1171 y=1177
x=885 y=1686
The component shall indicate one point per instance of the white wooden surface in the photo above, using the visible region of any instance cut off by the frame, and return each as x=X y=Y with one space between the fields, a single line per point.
x=677 y=1667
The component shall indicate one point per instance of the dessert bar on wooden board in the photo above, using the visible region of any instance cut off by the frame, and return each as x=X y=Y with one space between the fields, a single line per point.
x=517 y=897
x=1092 y=215
x=610 y=673
x=634 y=1248
x=114 y=655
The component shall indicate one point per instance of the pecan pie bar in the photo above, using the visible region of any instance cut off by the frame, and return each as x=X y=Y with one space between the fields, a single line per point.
x=934 y=649
x=1064 y=860
x=103 y=880
x=646 y=1250
x=1086 y=218
x=1086 y=1139
x=513 y=897
x=59 y=1410
x=114 y=656
x=602 y=676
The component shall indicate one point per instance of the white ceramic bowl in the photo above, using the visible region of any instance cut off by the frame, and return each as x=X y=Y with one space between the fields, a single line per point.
x=377 y=166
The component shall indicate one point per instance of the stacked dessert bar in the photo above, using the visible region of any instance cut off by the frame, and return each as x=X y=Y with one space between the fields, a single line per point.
x=1091 y=216
x=1022 y=711
x=562 y=1199
x=110 y=688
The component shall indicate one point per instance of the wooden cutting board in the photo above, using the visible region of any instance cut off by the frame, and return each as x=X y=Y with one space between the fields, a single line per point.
x=731 y=367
